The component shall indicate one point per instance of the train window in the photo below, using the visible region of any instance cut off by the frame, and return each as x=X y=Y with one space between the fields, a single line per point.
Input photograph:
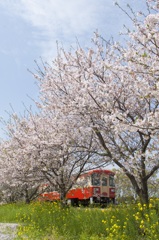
x=80 y=181
x=111 y=181
x=86 y=181
x=104 y=181
x=95 y=179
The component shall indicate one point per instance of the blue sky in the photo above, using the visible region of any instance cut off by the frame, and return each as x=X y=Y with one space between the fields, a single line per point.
x=29 y=30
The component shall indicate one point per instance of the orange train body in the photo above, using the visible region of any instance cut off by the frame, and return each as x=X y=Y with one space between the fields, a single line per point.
x=96 y=186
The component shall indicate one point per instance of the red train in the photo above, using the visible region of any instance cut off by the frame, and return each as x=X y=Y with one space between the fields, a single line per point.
x=96 y=186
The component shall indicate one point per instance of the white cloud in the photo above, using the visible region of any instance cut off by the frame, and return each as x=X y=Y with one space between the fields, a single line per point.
x=58 y=19
x=68 y=15
x=63 y=20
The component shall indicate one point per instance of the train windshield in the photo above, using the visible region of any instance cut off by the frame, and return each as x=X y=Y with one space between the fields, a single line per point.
x=111 y=181
x=96 y=179
x=104 y=181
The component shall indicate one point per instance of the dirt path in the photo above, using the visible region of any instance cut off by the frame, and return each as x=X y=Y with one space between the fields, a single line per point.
x=8 y=231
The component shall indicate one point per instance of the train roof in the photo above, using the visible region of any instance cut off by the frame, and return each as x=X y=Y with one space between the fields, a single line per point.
x=109 y=172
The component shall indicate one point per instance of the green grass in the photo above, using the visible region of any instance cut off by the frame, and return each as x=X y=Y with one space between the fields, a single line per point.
x=48 y=221
x=9 y=212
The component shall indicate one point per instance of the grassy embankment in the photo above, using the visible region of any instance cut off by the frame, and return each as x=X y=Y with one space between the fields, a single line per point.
x=48 y=221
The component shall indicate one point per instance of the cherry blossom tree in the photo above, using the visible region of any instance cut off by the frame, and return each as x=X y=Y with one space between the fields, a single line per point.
x=35 y=154
x=111 y=89
x=19 y=180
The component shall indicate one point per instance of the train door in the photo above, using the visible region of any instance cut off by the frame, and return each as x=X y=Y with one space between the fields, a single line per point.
x=112 y=188
x=104 y=185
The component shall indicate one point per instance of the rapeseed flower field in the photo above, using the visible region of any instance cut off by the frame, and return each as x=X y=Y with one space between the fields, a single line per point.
x=49 y=221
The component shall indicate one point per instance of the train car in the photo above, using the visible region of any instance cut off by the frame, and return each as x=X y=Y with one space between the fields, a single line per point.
x=95 y=186
x=49 y=196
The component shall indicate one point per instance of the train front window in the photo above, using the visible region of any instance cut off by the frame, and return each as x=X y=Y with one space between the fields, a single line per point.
x=104 y=181
x=96 y=179
x=111 y=181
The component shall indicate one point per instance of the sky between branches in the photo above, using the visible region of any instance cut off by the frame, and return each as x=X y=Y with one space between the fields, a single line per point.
x=29 y=30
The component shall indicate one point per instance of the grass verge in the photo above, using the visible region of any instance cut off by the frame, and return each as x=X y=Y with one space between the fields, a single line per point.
x=48 y=221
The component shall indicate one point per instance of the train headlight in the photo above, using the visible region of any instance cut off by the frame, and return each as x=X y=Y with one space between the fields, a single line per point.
x=112 y=190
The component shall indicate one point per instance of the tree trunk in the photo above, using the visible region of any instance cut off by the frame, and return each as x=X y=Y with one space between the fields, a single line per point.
x=27 y=199
x=63 y=198
x=143 y=193
x=142 y=190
